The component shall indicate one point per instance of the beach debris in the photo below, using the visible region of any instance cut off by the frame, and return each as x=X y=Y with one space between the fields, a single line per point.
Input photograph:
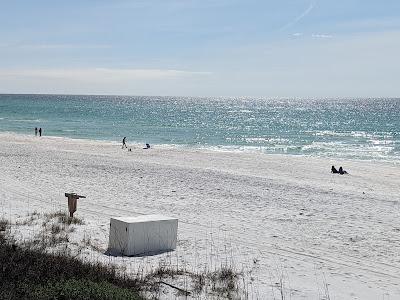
x=184 y=292
x=72 y=202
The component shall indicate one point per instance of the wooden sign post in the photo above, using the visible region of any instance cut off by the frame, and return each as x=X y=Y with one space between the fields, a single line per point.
x=72 y=202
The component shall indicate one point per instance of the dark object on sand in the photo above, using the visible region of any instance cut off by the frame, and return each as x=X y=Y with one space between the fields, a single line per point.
x=72 y=202
x=147 y=146
x=340 y=171
x=124 y=143
x=35 y=131
x=40 y=131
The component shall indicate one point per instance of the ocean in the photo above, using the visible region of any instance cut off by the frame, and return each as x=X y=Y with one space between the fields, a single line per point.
x=342 y=128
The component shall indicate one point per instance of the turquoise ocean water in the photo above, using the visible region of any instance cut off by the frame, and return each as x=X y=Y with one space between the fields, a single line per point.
x=346 y=128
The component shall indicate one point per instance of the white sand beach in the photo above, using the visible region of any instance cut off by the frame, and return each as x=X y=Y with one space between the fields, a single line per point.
x=274 y=217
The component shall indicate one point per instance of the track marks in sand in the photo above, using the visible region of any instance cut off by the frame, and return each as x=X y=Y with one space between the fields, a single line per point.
x=302 y=222
x=23 y=193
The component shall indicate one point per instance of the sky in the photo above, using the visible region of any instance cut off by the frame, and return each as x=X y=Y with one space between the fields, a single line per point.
x=266 y=48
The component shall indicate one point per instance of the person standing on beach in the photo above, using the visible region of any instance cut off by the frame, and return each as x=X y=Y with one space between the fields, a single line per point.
x=35 y=131
x=124 y=143
x=40 y=131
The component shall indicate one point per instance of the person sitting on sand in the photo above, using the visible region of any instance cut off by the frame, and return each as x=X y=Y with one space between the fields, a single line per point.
x=124 y=143
x=333 y=170
x=341 y=171
x=147 y=146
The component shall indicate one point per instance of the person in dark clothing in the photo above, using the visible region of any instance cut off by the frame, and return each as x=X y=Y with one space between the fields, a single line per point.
x=124 y=143
x=341 y=171
x=333 y=170
x=35 y=131
x=40 y=131
x=147 y=146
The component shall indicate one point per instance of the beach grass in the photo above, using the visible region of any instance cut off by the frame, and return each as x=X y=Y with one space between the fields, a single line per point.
x=31 y=273
x=46 y=268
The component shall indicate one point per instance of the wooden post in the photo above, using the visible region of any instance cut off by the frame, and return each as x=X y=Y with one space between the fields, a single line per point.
x=72 y=202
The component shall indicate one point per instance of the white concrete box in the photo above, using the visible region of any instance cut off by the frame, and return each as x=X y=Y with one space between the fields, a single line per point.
x=143 y=235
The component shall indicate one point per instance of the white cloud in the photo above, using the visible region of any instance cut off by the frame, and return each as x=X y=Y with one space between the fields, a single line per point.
x=352 y=65
x=321 y=36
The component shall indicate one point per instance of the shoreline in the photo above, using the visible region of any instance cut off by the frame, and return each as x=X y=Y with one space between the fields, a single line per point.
x=232 y=149
x=286 y=213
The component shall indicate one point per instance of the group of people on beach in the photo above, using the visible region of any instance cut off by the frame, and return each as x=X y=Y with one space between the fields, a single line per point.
x=38 y=130
x=340 y=171
x=124 y=146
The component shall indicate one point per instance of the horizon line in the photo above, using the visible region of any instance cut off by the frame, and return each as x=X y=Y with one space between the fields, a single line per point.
x=194 y=96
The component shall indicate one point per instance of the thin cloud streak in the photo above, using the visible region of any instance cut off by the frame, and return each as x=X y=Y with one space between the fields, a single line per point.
x=99 y=74
x=64 y=46
x=297 y=34
x=55 y=46
x=298 y=18
x=321 y=36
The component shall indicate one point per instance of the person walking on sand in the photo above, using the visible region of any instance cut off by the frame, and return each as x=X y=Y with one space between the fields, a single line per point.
x=124 y=143
x=40 y=131
x=35 y=131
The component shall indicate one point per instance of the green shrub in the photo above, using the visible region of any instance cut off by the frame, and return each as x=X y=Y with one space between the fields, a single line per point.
x=34 y=274
x=80 y=290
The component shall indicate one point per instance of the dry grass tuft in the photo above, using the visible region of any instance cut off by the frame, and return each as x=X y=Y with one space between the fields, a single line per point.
x=3 y=224
x=63 y=218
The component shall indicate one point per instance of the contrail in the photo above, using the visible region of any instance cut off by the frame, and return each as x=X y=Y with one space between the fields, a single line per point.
x=298 y=18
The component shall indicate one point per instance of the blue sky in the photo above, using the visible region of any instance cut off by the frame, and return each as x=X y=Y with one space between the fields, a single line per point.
x=285 y=48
